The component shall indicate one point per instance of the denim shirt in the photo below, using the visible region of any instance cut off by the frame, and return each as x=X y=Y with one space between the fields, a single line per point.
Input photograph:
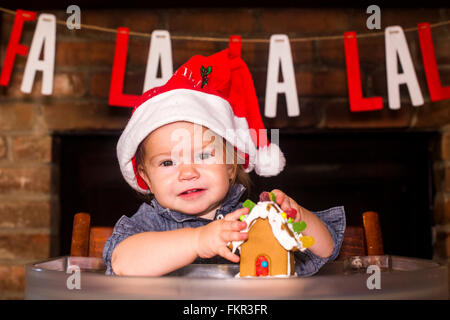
x=154 y=217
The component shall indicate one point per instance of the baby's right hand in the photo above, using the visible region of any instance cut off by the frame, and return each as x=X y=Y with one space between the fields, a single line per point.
x=212 y=239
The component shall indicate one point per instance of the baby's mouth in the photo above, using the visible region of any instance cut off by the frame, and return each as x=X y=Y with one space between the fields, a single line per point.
x=192 y=192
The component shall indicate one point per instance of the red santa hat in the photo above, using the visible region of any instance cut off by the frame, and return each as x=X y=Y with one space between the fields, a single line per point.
x=216 y=92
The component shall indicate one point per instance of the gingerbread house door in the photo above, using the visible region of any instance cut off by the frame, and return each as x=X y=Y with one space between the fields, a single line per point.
x=262 y=266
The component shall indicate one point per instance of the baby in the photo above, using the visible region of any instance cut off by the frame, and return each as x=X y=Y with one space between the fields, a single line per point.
x=189 y=145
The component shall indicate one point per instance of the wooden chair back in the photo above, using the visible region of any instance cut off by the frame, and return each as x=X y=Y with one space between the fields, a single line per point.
x=363 y=240
x=88 y=241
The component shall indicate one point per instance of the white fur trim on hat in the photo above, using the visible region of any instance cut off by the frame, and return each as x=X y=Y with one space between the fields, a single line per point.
x=269 y=161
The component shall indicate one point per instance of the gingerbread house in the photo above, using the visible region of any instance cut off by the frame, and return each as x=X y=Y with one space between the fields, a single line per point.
x=273 y=236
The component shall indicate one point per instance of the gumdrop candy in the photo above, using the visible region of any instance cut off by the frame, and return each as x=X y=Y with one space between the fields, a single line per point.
x=242 y=217
x=307 y=241
x=283 y=215
x=273 y=197
x=299 y=226
x=264 y=196
x=291 y=213
x=249 y=204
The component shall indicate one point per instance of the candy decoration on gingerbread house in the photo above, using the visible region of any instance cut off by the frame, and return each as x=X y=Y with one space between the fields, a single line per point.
x=273 y=236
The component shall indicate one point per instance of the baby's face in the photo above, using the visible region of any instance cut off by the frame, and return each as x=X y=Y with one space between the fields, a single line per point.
x=185 y=168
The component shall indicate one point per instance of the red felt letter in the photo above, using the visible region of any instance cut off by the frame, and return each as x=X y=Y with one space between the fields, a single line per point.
x=437 y=92
x=13 y=46
x=357 y=102
x=116 y=97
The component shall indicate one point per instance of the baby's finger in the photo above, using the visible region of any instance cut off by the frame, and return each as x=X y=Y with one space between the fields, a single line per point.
x=286 y=204
x=227 y=254
x=234 y=225
x=279 y=195
x=228 y=236
x=236 y=214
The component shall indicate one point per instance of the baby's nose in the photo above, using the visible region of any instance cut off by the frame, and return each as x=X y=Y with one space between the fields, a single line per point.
x=188 y=171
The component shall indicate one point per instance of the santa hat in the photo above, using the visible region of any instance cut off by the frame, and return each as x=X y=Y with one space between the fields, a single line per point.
x=216 y=92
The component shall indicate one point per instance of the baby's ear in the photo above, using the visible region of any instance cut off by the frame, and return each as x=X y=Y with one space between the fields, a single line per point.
x=144 y=176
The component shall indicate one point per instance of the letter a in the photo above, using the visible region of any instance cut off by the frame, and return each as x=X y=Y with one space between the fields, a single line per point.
x=396 y=44
x=74 y=281
x=44 y=38
x=373 y=282
x=374 y=21
x=280 y=52
x=160 y=50
x=73 y=21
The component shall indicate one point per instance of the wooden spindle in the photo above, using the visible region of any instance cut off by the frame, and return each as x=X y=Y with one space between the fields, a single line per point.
x=372 y=230
x=97 y=239
x=80 y=235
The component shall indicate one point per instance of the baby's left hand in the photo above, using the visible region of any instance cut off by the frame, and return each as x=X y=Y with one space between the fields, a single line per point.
x=287 y=204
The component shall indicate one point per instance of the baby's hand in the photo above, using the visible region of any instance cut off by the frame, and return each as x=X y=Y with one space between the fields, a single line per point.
x=212 y=239
x=287 y=204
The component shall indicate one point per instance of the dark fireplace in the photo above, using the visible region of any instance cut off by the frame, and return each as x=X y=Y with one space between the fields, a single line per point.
x=387 y=172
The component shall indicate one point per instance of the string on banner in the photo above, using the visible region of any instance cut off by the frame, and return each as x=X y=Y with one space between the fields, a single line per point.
x=227 y=39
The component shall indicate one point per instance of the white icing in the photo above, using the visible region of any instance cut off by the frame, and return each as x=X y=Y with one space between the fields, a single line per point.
x=276 y=221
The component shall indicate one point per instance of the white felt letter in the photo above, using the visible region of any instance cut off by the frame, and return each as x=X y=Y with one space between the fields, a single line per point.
x=43 y=39
x=395 y=42
x=160 y=50
x=280 y=52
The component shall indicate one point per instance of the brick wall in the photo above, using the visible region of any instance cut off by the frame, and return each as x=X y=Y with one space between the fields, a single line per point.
x=28 y=191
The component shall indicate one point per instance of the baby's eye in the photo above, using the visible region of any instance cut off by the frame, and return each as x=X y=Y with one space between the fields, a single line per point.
x=205 y=155
x=166 y=163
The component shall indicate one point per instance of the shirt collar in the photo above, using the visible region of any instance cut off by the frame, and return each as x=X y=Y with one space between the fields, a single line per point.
x=231 y=201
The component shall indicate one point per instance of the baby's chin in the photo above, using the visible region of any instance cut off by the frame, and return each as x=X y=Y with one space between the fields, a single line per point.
x=195 y=209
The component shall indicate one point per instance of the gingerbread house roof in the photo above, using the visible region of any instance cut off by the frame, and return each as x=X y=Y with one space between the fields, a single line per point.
x=282 y=230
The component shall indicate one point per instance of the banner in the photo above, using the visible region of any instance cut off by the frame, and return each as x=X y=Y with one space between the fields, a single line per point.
x=279 y=60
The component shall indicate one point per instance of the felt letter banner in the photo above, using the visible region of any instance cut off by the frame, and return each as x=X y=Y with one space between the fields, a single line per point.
x=116 y=97
x=395 y=42
x=13 y=46
x=437 y=92
x=357 y=102
x=160 y=50
x=280 y=52
x=44 y=39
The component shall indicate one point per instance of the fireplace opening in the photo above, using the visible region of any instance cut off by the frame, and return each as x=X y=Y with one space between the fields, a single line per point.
x=387 y=172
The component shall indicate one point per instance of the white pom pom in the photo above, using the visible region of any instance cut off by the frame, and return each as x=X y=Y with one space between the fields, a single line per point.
x=269 y=161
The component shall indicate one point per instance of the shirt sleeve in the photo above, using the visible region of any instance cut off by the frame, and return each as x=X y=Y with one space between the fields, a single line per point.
x=307 y=263
x=124 y=228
